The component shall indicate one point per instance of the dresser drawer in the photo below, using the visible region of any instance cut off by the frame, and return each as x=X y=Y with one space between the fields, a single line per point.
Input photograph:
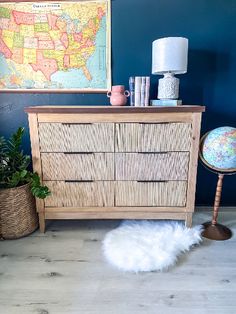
x=152 y=166
x=152 y=137
x=80 y=194
x=133 y=193
x=79 y=137
x=83 y=166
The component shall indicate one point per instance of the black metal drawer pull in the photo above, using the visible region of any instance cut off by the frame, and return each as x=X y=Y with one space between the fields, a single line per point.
x=151 y=181
x=75 y=123
x=163 y=153
x=78 y=153
x=78 y=181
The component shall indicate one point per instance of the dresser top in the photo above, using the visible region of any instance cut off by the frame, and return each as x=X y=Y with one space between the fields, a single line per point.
x=112 y=109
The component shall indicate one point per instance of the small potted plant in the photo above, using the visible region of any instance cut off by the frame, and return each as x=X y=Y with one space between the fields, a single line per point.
x=18 y=187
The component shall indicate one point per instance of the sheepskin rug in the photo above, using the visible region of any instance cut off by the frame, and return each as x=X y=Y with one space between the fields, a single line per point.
x=148 y=245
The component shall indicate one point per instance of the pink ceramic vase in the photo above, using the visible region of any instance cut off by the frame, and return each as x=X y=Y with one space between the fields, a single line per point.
x=118 y=95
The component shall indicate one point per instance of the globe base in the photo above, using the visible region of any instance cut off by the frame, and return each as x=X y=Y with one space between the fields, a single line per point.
x=216 y=231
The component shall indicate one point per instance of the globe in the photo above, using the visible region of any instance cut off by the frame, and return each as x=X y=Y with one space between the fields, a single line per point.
x=218 y=154
x=218 y=149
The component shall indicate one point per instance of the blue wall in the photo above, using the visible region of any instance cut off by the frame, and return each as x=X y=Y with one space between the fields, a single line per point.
x=210 y=27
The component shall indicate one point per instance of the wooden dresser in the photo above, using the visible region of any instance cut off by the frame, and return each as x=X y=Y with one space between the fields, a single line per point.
x=116 y=162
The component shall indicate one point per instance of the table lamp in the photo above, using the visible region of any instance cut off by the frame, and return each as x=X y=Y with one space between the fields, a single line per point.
x=169 y=57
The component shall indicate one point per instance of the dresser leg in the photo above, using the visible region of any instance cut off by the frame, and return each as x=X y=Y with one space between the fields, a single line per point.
x=188 y=220
x=41 y=222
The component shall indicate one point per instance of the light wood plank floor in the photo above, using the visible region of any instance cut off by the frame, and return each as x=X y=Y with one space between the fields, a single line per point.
x=63 y=271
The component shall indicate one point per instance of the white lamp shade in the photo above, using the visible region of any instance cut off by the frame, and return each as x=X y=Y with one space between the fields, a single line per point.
x=170 y=54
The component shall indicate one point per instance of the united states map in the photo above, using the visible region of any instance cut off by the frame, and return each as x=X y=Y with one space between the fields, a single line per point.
x=53 y=45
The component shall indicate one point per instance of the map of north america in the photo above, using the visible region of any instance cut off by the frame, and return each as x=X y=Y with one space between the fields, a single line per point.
x=53 y=45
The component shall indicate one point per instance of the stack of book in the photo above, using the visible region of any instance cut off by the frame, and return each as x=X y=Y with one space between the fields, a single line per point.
x=139 y=87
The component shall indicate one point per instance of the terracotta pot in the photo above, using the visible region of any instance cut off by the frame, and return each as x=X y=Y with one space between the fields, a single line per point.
x=118 y=95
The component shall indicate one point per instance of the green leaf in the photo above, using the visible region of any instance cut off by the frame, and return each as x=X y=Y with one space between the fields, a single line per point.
x=23 y=173
x=40 y=191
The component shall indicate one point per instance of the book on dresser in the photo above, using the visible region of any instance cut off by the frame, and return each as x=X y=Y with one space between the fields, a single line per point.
x=107 y=162
x=166 y=102
x=139 y=87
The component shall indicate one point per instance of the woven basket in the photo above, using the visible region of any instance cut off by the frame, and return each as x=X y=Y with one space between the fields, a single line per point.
x=18 y=215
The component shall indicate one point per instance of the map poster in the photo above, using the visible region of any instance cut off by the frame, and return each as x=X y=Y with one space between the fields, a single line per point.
x=55 y=46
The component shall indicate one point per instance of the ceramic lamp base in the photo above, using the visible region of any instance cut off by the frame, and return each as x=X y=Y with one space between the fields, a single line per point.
x=216 y=231
x=168 y=87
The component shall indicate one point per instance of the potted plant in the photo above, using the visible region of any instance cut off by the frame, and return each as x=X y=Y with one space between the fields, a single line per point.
x=18 y=187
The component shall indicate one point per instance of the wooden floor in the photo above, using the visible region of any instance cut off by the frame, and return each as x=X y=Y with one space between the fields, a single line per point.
x=63 y=271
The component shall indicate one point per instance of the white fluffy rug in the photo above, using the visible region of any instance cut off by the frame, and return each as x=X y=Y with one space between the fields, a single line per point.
x=148 y=245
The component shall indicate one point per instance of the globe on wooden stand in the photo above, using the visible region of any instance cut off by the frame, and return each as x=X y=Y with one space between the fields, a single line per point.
x=218 y=154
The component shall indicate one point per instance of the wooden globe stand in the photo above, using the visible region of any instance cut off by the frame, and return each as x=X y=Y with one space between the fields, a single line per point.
x=212 y=229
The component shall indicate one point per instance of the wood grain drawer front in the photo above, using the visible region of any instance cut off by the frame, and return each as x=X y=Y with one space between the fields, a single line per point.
x=93 y=166
x=66 y=137
x=80 y=194
x=133 y=193
x=157 y=166
x=153 y=137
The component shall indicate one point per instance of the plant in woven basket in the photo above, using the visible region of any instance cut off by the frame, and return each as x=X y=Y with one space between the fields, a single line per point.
x=14 y=166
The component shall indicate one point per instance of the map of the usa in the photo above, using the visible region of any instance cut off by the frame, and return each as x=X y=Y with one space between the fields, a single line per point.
x=54 y=45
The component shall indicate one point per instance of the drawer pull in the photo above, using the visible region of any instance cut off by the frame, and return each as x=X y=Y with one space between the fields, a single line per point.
x=78 y=153
x=154 y=123
x=78 y=181
x=151 y=181
x=159 y=153
x=76 y=123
